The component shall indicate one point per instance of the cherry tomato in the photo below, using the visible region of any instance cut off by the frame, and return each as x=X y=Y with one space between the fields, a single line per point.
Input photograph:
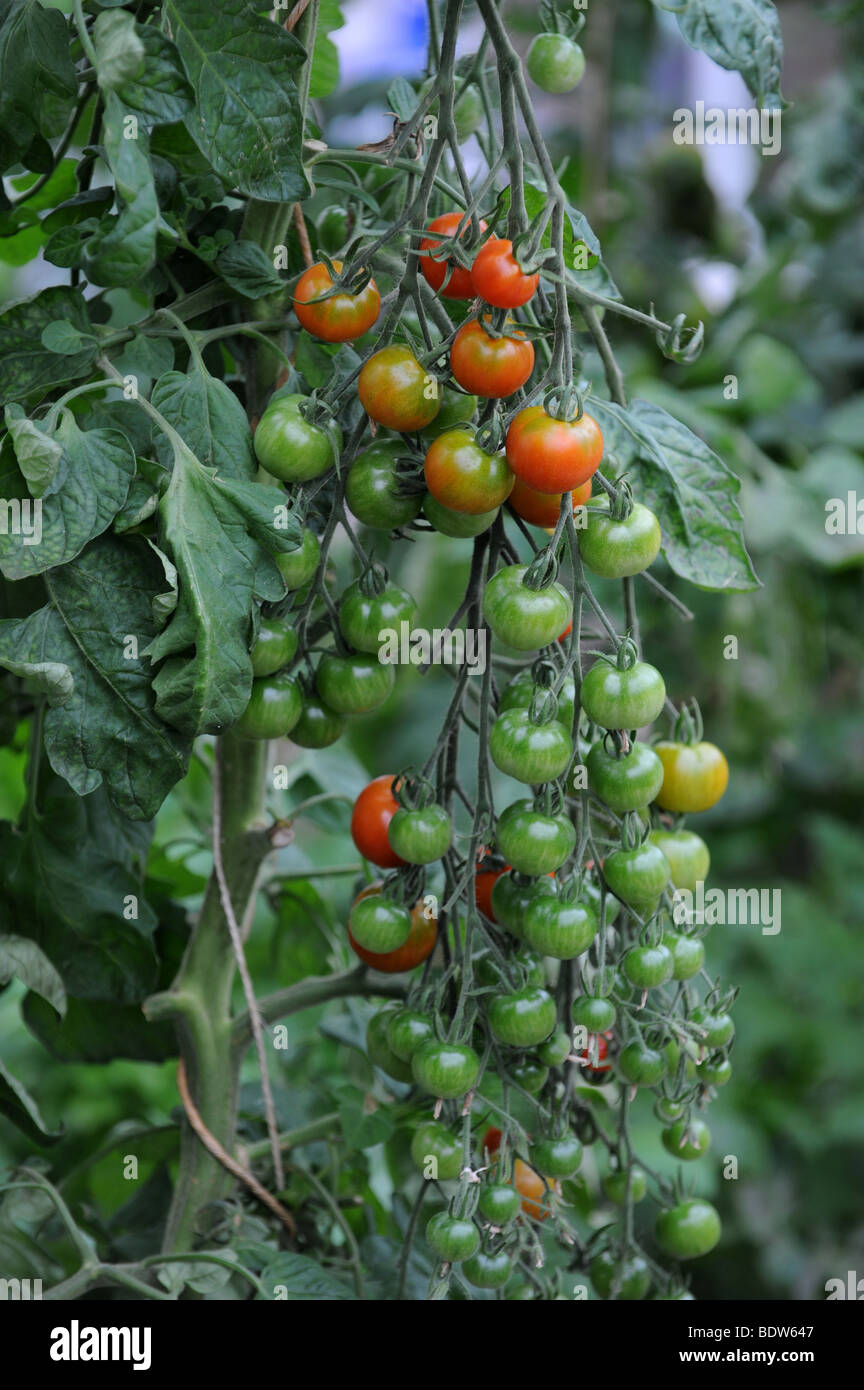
x=695 y=776
x=484 y=882
x=530 y=1074
x=487 y=1270
x=555 y=62
x=289 y=446
x=373 y=810
x=333 y=229
x=378 y=924
x=362 y=617
x=420 y=944
x=396 y=391
x=407 y=1030
x=561 y=929
x=533 y=842
x=591 y=1012
x=525 y=618
x=490 y=366
x=468 y=114
x=688 y=1230
x=520 y=691
x=553 y=455
x=640 y=1064
x=378 y=1048
x=522 y=1018
x=528 y=1183
x=528 y=751
x=686 y=1140
x=615 y=1185
x=596 y=1054
x=717 y=1028
x=544 y=508
x=275 y=705
x=463 y=477
x=626 y=783
x=688 y=954
x=446 y=1069
x=688 y=856
x=354 y=684
x=458 y=524
x=274 y=647
x=318 y=725
x=498 y=1203
x=343 y=317
x=434 y=1147
x=623 y=699
x=459 y=283
x=510 y=898
x=646 y=967
x=557 y=1158
x=499 y=278
x=372 y=488
x=298 y=566
x=712 y=1072
x=637 y=876
x=456 y=409
x=555 y=1050
x=452 y=1238
x=614 y=549
x=628 y=1279
x=422 y=835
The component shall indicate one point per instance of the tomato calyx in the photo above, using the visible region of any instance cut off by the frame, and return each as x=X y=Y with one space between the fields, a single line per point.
x=542 y=571
x=688 y=727
x=679 y=343
x=374 y=580
x=344 y=277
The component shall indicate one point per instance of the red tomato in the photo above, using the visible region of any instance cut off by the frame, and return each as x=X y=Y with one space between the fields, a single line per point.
x=370 y=818
x=498 y=277
x=544 y=508
x=460 y=284
x=596 y=1057
x=566 y=633
x=419 y=944
x=484 y=882
x=487 y=366
x=553 y=455
x=342 y=317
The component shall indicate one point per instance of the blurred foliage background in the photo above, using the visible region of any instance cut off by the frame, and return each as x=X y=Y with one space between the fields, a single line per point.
x=769 y=251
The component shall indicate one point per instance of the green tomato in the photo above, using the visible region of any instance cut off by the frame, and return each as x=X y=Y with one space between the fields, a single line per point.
x=289 y=447
x=457 y=408
x=519 y=693
x=452 y=1238
x=597 y=1015
x=332 y=228
x=718 y=1028
x=623 y=699
x=527 y=751
x=711 y=1072
x=420 y=836
x=628 y=783
x=468 y=113
x=686 y=1141
x=630 y=1279
x=530 y=1074
x=532 y=842
x=689 y=860
x=378 y=924
x=363 y=617
x=615 y=1185
x=378 y=1048
x=499 y=1204
x=688 y=954
x=407 y=1030
x=522 y=1018
x=372 y=488
x=275 y=705
x=615 y=549
x=511 y=897
x=487 y=1271
x=558 y=928
x=524 y=618
x=274 y=647
x=448 y=1070
x=555 y=62
x=458 y=524
x=688 y=1230
x=637 y=876
x=557 y=1158
x=434 y=1147
x=298 y=566
x=354 y=684
x=318 y=726
x=641 y=1065
x=555 y=1050
x=646 y=967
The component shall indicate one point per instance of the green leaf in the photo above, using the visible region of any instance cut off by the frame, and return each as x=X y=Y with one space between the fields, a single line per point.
x=35 y=64
x=325 y=59
x=301 y=932
x=246 y=118
x=145 y=359
x=23 y=960
x=742 y=35
x=247 y=268
x=106 y=727
x=64 y=338
x=362 y=1130
x=160 y=90
x=402 y=99
x=209 y=418
x=18 y=1105
x=84 y=495
x=119 y=50
x=124 y=248
x=27 y=367
x=96 y=1030
x=37 y=453
x=298 y=1278
x=692 y=492
x=220 y=535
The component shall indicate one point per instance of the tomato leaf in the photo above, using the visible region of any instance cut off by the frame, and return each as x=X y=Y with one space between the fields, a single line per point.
x=25 y=961
x=693 y=493
x=35 y=63
x=159 y=90
x=85 y=649
x=325 y=58
x=298 y=1278
x=208 y=416
x=247 y=268
x=119 y=50
x=28 y=368
x=38 y=454
x=97 y=1030
x=246 y=118
x=743 y=35
x=18 y=1105
x=124 y=247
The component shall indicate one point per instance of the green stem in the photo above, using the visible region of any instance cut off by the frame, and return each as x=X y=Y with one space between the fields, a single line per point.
x=318 y=989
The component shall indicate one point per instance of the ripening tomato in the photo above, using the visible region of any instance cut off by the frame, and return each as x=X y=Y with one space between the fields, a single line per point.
x=553 y=455
x=459 y=282
x=688 y=855
x=499 y=278
x=463 y=477
x=342 y=317
x=695 y=776
x=419 y=945
x=523 y=617
x=460 y=525
x=484 y=882
x=528 y=1183
x=373 y=810
x=397 y=391
x=488 y=365
x=544 y=508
